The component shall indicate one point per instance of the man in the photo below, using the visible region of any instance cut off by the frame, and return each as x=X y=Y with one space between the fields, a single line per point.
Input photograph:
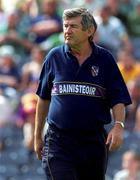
x=79 y=84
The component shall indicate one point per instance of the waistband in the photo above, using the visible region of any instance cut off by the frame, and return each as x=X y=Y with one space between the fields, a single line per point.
x=77 y=132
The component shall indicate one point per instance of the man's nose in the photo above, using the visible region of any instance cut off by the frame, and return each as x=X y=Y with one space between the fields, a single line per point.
x=68 y=29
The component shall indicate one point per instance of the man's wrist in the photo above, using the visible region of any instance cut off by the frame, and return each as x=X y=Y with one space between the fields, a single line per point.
x=121 y=123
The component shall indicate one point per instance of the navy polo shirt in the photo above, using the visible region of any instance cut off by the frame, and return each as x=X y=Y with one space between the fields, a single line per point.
x=81 y=95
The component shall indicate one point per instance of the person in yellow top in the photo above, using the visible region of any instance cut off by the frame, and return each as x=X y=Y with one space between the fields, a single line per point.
x=128 y=65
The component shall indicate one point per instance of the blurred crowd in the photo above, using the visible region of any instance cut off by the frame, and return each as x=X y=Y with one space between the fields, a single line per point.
x=30 y=28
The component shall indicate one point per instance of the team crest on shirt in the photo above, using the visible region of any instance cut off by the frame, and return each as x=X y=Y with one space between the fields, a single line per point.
x=94 y=70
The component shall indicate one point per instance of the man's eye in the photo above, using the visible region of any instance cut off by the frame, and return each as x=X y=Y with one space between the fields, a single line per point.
x=65 y=26
x=71 y=26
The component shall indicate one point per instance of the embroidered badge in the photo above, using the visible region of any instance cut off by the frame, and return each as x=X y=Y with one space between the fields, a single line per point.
x=95 y=70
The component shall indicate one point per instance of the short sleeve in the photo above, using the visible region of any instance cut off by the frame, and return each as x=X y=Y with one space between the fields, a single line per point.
x=45 y=79
x=117 y=91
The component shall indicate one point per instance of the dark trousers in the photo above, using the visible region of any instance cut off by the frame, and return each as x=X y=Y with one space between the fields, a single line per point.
x=74 y=156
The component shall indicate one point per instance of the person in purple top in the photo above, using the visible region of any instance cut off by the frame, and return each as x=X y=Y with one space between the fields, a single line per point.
x=80 y=84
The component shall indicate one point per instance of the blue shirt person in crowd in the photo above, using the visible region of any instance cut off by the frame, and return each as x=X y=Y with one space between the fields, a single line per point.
x=79 y=85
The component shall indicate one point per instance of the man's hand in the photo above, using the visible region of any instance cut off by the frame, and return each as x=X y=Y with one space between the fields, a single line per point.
x=115 y=137
x=38 y=147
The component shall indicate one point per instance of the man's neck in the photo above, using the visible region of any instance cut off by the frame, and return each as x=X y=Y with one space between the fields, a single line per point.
x=82 y=53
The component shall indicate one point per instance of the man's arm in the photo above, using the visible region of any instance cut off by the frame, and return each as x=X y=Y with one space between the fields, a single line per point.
x=41 y=113
x=115 y=136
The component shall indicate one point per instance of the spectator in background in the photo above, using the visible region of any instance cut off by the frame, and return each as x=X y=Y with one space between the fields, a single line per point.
x=111 y=33
x=130 y=165
x=136 y=103
x=26 y=111
x=130 y=69
x=134 y=21
x=26 y=9
x=134 y=29
x=16 y=38
x=46 y=23
x=137 y=124
x=128 y=65
x=6 y=112
x=9 y=74
x=9 y=84
x=132 y=122
x=124 y=9
x=113 y=4
x=27 y=115
x=31 y=70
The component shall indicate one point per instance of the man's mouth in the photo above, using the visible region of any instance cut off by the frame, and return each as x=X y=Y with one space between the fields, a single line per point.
x=68 y=38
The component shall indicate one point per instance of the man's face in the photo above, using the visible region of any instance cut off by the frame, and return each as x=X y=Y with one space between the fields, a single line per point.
x=73 y=32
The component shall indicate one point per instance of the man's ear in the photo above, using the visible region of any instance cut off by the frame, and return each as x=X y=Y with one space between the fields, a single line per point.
x=91 y=31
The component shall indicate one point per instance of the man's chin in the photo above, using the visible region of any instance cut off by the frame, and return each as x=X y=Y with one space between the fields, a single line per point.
x=68 y=43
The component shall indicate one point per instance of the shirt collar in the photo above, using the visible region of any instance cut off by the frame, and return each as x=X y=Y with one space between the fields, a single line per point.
x=93 y=45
